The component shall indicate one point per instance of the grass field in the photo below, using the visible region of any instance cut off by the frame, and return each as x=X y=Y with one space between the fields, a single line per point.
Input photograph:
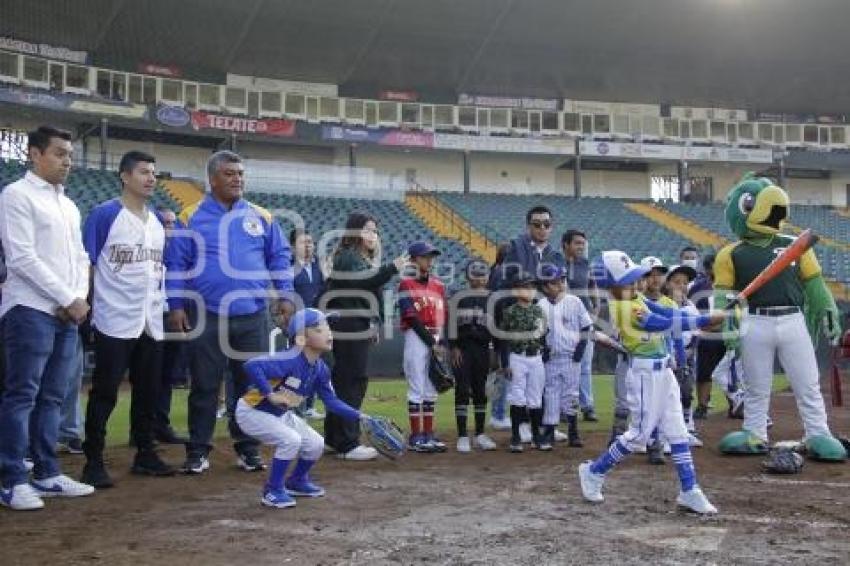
x=388 y=397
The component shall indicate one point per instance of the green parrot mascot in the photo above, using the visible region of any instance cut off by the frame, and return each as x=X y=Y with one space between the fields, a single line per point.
x=782 y=319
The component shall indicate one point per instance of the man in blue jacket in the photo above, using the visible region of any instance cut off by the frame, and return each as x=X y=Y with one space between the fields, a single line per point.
x=529 y=251
x=228 y=255
x=528 y=254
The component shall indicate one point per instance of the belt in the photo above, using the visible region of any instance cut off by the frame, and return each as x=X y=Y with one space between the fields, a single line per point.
x=527 y=352
x=773 y=311
x=656 y=364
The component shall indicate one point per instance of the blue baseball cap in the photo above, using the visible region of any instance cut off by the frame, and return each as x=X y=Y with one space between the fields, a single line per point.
x=307 y=318
x=421 y=248
x=550 y=272
x=615 y=268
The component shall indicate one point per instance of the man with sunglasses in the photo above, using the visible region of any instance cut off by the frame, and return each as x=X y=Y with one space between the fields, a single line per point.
x=528 y=255
x=531 y=251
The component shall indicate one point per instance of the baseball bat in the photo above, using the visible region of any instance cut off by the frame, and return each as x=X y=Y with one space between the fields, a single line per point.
x=835 y=386
x=792 y=253
x=836 y=392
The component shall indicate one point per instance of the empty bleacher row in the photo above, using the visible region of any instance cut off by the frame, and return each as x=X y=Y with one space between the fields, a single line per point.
x=825 y=221
x=397 y=226
x=611 y=225
x=86 y=187
x=607 y=222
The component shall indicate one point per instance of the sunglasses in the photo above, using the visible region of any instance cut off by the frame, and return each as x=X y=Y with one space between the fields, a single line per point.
x=541 y=224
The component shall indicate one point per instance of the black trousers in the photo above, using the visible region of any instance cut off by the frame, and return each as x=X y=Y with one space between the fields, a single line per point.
x=208 y=364
x=113 y=358
x=471 y=376
x=174 y=371
x=709 y=354
x=349 y=379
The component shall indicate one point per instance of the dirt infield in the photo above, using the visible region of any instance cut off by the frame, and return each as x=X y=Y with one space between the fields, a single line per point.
x=493 y=508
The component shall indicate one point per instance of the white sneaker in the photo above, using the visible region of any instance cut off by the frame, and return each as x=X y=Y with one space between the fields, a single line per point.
x=640 y=449
x=666 y=448
x=313 y=414
x=484 y=442
x=560 y=436
x=696 y=501
x=591 y=484
x=61 y=486
x=500 y=424
x=29 y=464
x=525 y=433
x=21 y=497
x=694 y=441
x=463 y=445
x=359 y=453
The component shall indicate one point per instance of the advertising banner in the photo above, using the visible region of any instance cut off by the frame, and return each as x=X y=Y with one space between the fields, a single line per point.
x=267 y=127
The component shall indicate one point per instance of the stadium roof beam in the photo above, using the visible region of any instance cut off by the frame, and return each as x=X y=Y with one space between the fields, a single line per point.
x=243 y=33
x=497 y=23
x=116 y=10
x=361 y=53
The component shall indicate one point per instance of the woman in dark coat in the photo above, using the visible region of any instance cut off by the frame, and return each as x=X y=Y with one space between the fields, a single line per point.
x=354 y=284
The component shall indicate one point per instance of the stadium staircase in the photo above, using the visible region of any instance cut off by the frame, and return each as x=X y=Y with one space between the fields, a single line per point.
x=447 y=223
x=689 y=230
x=183 y=191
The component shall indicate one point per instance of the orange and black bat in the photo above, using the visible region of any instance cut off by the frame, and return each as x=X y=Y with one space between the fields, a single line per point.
x=792 y=253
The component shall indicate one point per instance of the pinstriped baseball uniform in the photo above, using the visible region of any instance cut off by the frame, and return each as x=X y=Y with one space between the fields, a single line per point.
x=564 y=321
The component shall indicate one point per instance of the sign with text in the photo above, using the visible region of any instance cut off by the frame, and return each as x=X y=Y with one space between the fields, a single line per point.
x=266 y=127
x=44 y=50
x=675 y=152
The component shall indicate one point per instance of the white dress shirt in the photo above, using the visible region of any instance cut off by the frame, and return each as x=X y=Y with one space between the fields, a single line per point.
x=40 y=231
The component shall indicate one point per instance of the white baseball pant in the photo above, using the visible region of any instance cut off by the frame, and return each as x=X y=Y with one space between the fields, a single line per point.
x=621 y=392
x=560 y=392
x=654 y=402
x=722 y=374
x=762 y=338
x=417 y=360
x=290 y=435
x=528 y=378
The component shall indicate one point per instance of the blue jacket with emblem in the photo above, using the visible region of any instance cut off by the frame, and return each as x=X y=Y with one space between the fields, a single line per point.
x=218 y=252
x=292 y=373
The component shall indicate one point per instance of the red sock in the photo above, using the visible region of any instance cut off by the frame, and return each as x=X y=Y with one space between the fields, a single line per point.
x=428 y=418
x=414 y=410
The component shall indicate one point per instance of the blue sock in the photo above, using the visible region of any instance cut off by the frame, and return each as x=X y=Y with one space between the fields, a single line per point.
x=684 y=465
x=615 y=454
x=653 y=438
x=299 y=472
x=278 y=470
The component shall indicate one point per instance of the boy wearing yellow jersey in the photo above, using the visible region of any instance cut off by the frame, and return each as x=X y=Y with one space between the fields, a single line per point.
x=653 y=392
x=653 y=289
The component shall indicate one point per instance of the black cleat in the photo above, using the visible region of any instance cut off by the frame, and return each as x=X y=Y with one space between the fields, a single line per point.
x=148 y=463
x=95 y=475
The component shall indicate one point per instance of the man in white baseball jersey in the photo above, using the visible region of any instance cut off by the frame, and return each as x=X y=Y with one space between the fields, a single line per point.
x=568 y=324
x=125 y=239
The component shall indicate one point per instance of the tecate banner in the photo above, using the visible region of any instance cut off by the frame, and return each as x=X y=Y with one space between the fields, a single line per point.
x=267 y=127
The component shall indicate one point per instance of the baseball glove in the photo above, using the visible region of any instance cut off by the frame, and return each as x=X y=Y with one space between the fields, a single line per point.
x=385 y=436
x=783 y=461
x=439 y=374
x=495 y=383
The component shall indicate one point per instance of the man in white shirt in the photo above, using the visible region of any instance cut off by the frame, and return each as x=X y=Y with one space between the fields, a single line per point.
x=125 y=240
x=43 y=302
